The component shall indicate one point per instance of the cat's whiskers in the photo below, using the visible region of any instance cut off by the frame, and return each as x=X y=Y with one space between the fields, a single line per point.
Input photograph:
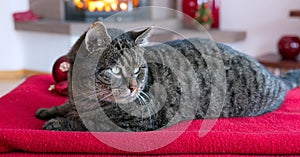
x=94 y=94
x=105 y=97
x=146 y=95
x=149 y=101
x=141 y=105
x=149 y=109
x=91 y=92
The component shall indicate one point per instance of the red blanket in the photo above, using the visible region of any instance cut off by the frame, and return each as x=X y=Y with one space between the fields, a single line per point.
x=277 y=132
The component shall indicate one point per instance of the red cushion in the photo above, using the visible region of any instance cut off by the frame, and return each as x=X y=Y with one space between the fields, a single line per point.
x=277 y=132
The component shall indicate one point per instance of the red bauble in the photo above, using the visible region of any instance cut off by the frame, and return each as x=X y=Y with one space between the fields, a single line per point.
x=60 y=69
x=60 y=74
x=60 y=88
x=289 y=47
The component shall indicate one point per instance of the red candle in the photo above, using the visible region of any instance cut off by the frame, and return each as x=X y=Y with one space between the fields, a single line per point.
x=189 y=7
x=215 y=10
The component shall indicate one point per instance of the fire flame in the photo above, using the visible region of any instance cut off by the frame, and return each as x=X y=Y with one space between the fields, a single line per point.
x=104 y=5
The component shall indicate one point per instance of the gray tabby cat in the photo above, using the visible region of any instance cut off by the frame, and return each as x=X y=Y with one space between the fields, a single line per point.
x=115 y=84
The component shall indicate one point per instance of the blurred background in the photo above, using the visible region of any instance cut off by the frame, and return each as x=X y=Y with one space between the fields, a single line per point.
x=43 y=30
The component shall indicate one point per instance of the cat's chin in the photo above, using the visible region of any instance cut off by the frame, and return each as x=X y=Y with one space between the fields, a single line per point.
x=132 y=96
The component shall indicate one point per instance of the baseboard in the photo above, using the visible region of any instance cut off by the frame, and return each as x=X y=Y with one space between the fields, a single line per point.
x=19 y=74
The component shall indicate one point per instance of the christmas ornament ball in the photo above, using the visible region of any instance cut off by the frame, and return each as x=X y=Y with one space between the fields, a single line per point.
x=60 y=69
x=289 y=46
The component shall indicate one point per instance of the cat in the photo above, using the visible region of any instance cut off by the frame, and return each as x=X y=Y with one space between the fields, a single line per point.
x=118 y=84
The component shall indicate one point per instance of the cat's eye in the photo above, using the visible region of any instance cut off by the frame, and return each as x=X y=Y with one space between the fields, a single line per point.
x=115 y=70
x=136 y=70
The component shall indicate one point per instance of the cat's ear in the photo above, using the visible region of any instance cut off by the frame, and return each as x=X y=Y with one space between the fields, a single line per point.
x=97 y=37
x=141 y=37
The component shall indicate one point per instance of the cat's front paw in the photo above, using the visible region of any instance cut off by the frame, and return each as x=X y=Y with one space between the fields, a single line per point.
x=43 y=114
x=55 y=124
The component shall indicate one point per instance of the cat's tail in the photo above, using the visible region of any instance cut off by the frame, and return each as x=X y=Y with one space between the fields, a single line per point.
x=291 y=78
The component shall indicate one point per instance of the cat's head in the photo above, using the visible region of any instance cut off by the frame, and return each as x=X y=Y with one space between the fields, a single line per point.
x=121 y=71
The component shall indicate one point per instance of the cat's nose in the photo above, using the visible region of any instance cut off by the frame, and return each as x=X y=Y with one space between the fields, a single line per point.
x=132 y=85
x=132 y=88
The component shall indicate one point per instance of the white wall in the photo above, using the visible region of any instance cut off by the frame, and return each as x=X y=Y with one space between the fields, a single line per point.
x=42 y=49
x=11 y=46
x=265 y=21
x=27 y=50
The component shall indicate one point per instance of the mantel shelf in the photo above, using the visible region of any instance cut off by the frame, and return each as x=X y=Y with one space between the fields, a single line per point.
x=77 y=28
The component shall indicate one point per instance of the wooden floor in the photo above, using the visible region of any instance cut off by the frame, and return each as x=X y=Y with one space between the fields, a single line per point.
x=11 y=79
x=8 y=85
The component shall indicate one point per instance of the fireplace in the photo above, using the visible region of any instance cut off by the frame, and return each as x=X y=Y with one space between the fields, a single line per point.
x=68 y=10
x=91 y=10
